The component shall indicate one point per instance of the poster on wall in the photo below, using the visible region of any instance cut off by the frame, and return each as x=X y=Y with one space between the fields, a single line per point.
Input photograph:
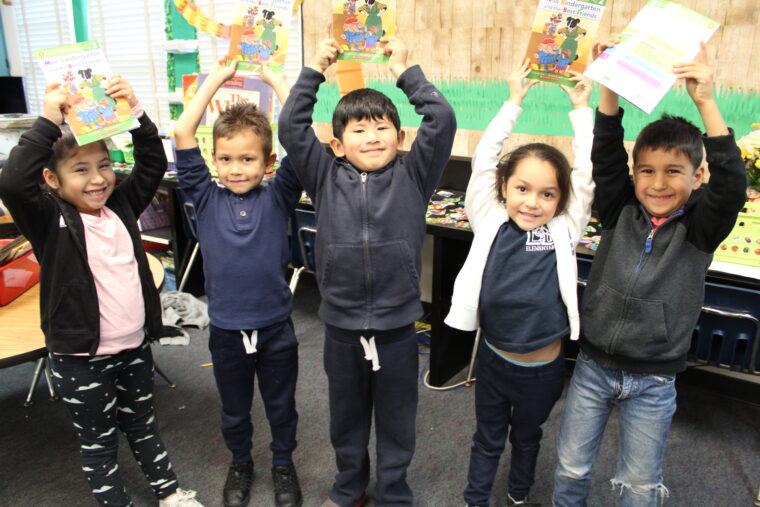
x=358 y=26
x=561 y=38
x=259 y=34
x=640 y=67
x=83 y=72
x=238 y=89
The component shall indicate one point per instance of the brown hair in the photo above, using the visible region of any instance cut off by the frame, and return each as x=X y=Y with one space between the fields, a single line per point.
x=242 y=116
x=509 y=162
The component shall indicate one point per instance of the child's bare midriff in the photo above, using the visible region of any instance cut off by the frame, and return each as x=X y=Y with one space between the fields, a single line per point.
x=542 y=355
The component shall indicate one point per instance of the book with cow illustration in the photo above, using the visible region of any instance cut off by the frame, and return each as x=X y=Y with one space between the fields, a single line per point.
x=83 y=71
x=561 y=38
x=259 y=34
x=358 y=26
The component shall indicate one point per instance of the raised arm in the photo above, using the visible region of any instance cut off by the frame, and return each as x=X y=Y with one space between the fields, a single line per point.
x=608 y=156
x=277 y=81
x=582 y=118
x=698 y=75
x=715 y=214
x=150 y=159
x=481 y=193
x=184 y=130
x=306 y=153
x=432 y=147
x=609 y=101
x=20 y=178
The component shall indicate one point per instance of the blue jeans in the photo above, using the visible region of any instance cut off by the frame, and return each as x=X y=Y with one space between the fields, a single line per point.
x=646 y=402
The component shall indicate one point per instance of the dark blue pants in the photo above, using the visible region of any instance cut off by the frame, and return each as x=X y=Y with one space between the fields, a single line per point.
x=275 y=363
x=509 y=399
x=106 y=393
x=355 y=391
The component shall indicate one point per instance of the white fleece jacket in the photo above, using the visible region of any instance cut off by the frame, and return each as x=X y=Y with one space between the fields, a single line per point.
x=487 y=214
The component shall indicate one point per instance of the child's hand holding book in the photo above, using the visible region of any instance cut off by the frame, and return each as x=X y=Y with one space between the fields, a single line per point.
x=55 y=104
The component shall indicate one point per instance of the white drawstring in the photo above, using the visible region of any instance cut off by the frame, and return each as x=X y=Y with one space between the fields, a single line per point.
x=249 y=342
x=370 y=352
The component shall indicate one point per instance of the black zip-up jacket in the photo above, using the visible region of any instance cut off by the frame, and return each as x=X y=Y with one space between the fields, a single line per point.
x=69 y=310
x=646 y=287
x=370 y=225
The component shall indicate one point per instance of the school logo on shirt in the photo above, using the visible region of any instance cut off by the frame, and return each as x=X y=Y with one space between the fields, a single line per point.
x=539 y=240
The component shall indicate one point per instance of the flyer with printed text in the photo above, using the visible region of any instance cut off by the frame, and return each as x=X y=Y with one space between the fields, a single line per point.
x=561 y=38
x=238 y=89
x=83 y=71
x=358 y=26
x=640 y=68
x=259 y=34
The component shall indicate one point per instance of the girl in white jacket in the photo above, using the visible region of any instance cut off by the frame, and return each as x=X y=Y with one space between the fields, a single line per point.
x=528 y=211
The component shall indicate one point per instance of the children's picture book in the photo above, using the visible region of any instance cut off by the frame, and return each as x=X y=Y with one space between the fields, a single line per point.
x=238 y=89
x=358 y=26
x=259 y=34
x=83 y=71
x=561 y=38
x=640 y=67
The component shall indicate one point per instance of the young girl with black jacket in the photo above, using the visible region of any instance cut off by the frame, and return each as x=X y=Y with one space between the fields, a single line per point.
x=98 y=304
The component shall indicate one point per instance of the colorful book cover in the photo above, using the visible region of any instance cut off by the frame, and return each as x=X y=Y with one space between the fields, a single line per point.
x=561 y=38
x=259 y=34
x=358 y=26
x=237 y=89
x=640 y=67
x=83 y=71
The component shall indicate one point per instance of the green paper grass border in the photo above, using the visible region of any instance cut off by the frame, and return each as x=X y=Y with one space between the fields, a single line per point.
x=546 y=107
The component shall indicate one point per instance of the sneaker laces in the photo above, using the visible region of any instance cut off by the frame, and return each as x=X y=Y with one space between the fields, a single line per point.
x=370 y=352
x=239 y=476
x=285 y=478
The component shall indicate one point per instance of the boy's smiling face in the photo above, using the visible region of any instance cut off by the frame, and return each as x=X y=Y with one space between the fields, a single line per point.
x=369 y=144
x=664 y=180
x=241 y=162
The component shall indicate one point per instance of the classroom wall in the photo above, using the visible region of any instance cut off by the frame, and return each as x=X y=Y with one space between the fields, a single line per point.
x=470 y=41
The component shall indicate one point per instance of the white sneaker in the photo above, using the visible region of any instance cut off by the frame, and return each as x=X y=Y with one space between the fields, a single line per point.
x=183 y=498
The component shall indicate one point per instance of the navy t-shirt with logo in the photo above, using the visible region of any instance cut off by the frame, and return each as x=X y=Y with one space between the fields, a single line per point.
x=521 y=309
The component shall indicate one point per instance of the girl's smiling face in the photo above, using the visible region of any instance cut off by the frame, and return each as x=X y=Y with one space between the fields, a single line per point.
x=85 y=179
x=532 y=193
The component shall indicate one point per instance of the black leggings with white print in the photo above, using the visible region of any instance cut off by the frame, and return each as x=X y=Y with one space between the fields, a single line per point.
x=106 y=393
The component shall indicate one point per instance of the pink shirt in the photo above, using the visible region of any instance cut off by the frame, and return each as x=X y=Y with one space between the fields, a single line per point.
x=110 y=253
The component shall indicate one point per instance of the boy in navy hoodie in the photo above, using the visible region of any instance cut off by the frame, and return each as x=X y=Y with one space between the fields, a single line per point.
x=370 y=206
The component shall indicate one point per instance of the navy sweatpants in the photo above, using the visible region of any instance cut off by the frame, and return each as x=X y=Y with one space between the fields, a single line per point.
x=355 y=391
x=106 y=393
x=511 y=399
x=275 y=363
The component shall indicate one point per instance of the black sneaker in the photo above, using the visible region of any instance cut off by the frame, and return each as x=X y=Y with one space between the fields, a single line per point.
x=237 y=488
x=287 y=492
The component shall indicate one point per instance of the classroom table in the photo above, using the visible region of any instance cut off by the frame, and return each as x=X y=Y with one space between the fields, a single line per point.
x=21 y=337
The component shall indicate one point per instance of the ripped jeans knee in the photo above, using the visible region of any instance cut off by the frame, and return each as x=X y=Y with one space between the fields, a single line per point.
x=640 y=494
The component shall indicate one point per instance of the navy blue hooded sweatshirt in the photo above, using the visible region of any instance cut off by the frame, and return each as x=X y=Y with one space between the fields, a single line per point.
x=370 y=225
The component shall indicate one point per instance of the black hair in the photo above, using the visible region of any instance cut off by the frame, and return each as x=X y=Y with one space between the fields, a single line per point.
x=65 y=147
x=671 y=133
x=360 y=105
x=509 y=162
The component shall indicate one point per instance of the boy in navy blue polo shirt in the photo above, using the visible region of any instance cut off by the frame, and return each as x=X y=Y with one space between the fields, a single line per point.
x=370 y=206
x=242 y=230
